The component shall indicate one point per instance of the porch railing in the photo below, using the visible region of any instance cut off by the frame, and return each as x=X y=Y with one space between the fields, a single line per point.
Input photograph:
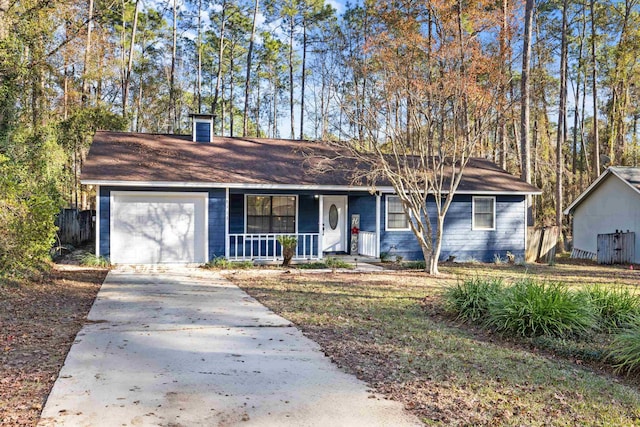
x=367 y=243
x=266 y=247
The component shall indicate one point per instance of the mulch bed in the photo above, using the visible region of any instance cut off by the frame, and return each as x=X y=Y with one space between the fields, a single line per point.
x=38 y=324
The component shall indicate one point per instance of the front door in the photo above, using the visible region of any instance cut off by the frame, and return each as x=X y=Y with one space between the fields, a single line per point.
x=334 y=223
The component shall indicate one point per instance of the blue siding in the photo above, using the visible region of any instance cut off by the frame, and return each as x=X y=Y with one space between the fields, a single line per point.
x=459 y=239
x=308 y=209
x=217 y=232
x=236 y=213
x=203 y=132
x=105 y=223
x=365 y=205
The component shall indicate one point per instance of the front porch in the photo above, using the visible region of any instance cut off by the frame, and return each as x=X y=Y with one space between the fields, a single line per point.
x=329 y=223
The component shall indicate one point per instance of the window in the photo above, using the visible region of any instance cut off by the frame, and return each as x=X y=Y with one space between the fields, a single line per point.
x=484 y=213
x=396 y=218
x=271 y=214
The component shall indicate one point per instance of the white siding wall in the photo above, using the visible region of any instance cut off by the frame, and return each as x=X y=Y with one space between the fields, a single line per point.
x=613 y=205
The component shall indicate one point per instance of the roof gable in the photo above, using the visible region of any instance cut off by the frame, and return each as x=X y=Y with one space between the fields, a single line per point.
x=628 y=175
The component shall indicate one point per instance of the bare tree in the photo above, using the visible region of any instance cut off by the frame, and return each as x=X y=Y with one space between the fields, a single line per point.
x=415 y=92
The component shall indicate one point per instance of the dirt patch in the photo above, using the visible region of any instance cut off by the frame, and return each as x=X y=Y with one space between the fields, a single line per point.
x=38 y=323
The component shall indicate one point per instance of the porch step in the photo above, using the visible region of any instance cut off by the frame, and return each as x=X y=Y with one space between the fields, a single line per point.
x=352 y=259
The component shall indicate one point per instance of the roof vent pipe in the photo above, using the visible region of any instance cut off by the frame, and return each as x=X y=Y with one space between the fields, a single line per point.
x=202 y=127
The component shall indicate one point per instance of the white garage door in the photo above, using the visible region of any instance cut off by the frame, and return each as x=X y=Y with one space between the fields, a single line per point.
x=153 y=228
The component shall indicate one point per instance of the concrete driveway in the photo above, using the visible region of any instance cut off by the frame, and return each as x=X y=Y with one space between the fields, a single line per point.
x=186 y=347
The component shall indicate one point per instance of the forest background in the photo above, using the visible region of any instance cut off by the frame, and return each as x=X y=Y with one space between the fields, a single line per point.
x=562 y=77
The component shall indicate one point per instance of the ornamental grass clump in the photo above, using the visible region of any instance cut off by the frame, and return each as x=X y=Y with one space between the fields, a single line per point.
x=530 y=308
x=625 y=348
x=614 y=307
x=470 y=299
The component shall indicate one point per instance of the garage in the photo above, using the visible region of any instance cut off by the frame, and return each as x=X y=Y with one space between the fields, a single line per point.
x=158 y=228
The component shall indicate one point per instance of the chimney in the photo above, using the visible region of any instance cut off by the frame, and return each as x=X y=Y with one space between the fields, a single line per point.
x=202 y=127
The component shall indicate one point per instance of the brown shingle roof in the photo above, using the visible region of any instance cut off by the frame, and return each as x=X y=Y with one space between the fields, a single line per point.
x=145 y=158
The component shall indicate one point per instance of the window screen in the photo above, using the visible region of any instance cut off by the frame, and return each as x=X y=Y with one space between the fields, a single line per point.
x=396 y=218
x=484 y=213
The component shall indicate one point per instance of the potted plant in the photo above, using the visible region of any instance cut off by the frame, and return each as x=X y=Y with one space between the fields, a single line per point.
x=288 y=244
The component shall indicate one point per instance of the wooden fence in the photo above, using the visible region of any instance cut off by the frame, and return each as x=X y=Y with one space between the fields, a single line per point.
x=541 y=244
x=74 y=227
x=616 y=248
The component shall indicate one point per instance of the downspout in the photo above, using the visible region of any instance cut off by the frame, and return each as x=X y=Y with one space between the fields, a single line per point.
x=227 y=241
x=378 y=231
x=97 y=229
x=320 y=228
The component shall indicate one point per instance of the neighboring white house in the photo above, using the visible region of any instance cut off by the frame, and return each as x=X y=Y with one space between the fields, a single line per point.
x=610 y=204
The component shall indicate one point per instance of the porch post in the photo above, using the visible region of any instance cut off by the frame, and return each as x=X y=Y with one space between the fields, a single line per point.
x=97 y=225
x=320 y=231
x=227 y=242
x=377 y=225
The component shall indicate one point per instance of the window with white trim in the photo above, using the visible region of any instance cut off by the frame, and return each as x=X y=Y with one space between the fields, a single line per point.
x=484 y=213
x=396 y=217
x=271 y=214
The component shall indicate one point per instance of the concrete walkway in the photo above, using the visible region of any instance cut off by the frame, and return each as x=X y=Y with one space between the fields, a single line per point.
x=185 y=347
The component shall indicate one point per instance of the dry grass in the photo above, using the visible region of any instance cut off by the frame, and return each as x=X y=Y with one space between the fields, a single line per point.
x=389 y=329
x=38 y=323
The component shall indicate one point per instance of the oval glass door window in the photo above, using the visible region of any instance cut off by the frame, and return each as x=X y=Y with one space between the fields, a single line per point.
x=333 y=217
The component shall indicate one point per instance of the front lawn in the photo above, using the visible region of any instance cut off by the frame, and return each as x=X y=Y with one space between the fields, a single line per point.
x=390 y=330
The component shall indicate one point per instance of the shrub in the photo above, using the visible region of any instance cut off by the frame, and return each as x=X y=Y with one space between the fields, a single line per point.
x=470 y=299
x=27 y=210
x=625 y=348
x=330 y=262
x=288 y=244
x=222 y=263
x=415 y=265
x=95 y=261
x=530 y=308
x=334 y=263
x=613 y=307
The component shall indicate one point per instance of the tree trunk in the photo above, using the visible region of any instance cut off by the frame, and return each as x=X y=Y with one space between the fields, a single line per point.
x=562 y=120
x=594 y=83
x=247 y=81
x=199 y=53
x=231 y=112
x=172 y=78
x=87 y=54
x=303 y=77
x=525 y=140
x=291 y=117
x=216 y=95
x=127 y=77
x=502 y=122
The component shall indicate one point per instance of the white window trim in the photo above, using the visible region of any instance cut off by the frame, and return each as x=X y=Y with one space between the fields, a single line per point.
x=473 y=213
x=272 y=195
x=386 y=215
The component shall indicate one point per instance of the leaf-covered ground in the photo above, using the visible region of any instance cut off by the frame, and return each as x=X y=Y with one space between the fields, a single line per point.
x=38 y=323
x=389 y=330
